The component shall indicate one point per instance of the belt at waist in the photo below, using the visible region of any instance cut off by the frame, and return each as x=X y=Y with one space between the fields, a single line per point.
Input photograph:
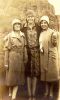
x=33 y=47
x=18 y=50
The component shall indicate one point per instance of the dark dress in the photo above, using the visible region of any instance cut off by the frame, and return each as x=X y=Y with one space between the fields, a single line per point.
x=32 y=69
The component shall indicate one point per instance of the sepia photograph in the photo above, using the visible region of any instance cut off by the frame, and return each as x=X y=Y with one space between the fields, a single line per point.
x=29 y=50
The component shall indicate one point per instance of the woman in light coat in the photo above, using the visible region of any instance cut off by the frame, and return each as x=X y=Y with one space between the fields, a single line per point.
x=49 y=45
x=15 y=58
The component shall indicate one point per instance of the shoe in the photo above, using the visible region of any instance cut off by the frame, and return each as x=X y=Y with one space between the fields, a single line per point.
x=33 y=98
x=29 y=98
x=51 y=94
x=13 y=98
x=10 y=94
x=46 y=94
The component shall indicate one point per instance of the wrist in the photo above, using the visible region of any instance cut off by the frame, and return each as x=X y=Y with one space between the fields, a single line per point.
x=6 y=65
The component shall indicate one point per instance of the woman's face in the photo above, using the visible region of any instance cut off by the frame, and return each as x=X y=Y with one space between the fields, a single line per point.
x=30 y=19
x=17 y=27
x=44 y=25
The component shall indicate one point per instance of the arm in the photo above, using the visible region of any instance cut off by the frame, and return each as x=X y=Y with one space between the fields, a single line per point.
x=6 y=59
x=55 y=38
x=41 y=45
x=6 y=51
x=25 y=53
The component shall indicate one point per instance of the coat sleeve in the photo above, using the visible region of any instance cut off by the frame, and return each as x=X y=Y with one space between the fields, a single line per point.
x=55 y=38
x=25 y=52
x=7 y=47
x=40 y=44
x=59 y=54
x=40 y=41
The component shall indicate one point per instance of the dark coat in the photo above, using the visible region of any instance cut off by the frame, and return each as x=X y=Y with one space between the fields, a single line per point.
x=15 y=58
x=49 y=59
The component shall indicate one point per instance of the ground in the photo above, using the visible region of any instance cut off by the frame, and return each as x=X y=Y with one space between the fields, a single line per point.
x=23 y=95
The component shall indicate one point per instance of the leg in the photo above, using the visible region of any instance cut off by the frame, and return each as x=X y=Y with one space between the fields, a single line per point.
x=10 y=91
x=29 y=87
x=57 y=90
x=46 y=89
x=58 y=98
x=34 y=81
x=14 y=93
x=51 y=90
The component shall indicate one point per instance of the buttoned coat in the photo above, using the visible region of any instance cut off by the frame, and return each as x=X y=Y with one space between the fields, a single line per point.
x=15 y=57
x=49 y=58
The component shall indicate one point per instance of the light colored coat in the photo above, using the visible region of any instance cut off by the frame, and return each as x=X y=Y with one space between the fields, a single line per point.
x=49 y=58
x=15 y=58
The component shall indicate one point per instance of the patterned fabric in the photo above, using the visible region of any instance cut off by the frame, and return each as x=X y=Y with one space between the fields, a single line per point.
x=33 y=65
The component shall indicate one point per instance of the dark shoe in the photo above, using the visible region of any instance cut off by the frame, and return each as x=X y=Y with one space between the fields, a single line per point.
x=30 y=98
x=13 y=98
x=33 y=98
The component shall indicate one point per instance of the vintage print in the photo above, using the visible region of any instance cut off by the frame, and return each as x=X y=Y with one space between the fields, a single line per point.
x=29 y=50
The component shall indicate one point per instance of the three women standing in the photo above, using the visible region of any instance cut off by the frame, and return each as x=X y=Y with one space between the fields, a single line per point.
x=17 y=47
x=15 y=58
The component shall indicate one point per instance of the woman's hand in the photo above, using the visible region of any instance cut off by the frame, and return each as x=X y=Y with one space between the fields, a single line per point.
x=42 y=50
x=6 y=66
x=54 y=39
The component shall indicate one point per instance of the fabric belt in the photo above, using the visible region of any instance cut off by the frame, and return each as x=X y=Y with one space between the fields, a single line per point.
x=18 y=50
x=32 y=47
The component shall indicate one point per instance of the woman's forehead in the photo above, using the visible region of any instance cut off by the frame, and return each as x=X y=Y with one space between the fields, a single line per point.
x=17 y=24
x=30 y=15
x=43 y=21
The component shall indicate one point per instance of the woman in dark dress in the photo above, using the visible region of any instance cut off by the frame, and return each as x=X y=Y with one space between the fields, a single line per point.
x=32 y=69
